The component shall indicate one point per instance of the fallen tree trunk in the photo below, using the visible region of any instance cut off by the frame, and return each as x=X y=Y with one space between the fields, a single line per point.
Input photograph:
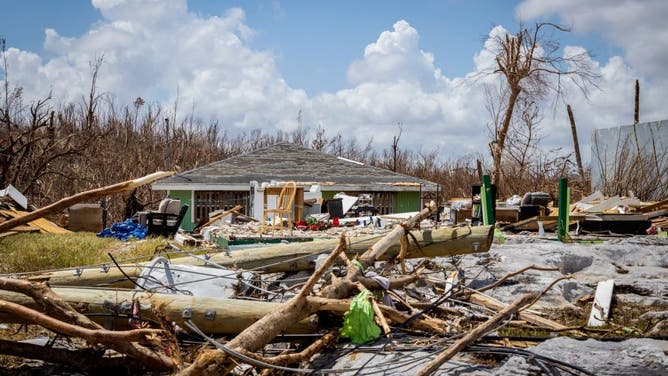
x=86 y=360
x=109 y=338
x=47 y=301
x=59 y=206
x=290 y=257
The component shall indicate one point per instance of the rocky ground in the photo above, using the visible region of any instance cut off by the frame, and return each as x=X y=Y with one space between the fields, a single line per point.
x=639 y=267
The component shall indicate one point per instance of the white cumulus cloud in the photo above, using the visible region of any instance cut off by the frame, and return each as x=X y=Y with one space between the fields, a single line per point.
x=638 y=27
x=150 y=48
x=395 y=56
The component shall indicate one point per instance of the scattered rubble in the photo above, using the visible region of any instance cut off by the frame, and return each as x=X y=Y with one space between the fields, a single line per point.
x=447 y=297
x=13 y=205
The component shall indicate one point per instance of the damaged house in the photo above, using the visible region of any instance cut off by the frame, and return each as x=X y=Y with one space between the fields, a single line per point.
x=246 y=180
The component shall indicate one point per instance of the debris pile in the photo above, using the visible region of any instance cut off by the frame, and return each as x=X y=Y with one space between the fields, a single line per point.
x=13 y=205
x=408 y=295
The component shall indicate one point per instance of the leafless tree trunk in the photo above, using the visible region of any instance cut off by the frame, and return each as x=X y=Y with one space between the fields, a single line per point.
x=576 y=144
x=395 y=148
x=527 y=72
x=320 y=140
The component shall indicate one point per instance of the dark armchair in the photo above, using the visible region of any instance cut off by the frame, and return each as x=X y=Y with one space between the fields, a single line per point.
x=165 y=224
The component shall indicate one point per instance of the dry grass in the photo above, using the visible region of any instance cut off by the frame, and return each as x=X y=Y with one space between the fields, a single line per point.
x=32 y=252
x=624 y=322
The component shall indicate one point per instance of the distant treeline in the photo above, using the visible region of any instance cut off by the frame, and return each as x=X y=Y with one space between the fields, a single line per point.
x=49 y=153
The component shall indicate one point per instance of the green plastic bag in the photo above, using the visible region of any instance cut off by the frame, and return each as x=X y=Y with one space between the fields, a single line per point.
x=499 y=237
x=358 y=322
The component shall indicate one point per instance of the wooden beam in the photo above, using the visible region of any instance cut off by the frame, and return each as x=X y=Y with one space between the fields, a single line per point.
x=217 y=217
x=654 y=206
x=547 y=219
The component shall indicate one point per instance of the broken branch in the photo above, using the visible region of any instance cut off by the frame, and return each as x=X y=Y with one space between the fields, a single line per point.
x=473 y=335
x=510 y=275
x=83 y=196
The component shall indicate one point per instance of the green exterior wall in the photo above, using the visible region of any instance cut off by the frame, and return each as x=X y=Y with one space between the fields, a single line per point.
x=408 y=202
x=186 y=199
x=328 y=194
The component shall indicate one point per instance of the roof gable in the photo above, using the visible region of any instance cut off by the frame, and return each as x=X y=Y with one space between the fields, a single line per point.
x=285 y=162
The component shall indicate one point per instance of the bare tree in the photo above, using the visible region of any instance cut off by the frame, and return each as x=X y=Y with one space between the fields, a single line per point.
x=320 y=140
x=337 y=144
x=523 y=137
x=93 y=97
x=395 y=147
x=3 y=48
x=529 y=65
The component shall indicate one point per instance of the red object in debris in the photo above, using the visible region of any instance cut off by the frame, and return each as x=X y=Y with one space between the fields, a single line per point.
x=335 y=222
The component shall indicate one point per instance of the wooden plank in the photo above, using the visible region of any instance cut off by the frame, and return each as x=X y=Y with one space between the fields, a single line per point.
x=600 y=309
x=43 y=225
x=654 y=206
x=611 y=203
x=26 y=228
x=548 y=221
x=217 y=217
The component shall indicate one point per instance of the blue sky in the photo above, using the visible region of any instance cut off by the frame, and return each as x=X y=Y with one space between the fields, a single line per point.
x=314 y=41
x=257 y=63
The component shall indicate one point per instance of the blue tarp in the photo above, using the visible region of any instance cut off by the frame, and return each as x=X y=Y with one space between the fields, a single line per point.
x=124 y=231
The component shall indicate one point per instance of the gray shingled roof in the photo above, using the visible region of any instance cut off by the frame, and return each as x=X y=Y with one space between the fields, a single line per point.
x=285 y=162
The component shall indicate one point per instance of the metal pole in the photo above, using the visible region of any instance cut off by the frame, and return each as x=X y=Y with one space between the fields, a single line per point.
x=487 y=201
